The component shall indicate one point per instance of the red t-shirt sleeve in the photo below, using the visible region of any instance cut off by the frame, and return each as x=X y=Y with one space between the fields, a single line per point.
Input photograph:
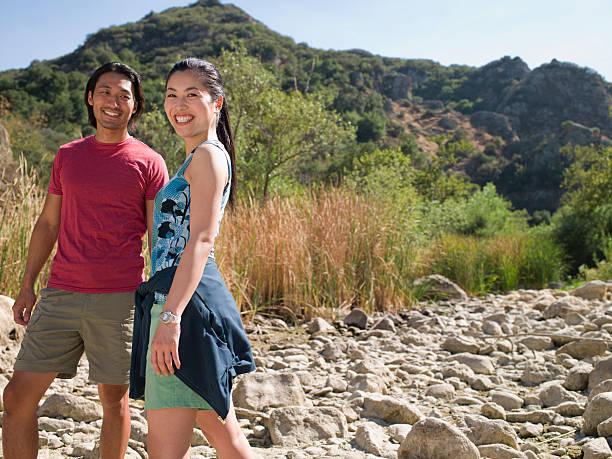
x=55 y=184
x=158 y=176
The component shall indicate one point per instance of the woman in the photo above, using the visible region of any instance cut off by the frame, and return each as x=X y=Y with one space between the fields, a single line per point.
x=186 y=321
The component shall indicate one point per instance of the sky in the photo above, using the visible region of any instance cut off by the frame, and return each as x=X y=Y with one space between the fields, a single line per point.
x=468 y=32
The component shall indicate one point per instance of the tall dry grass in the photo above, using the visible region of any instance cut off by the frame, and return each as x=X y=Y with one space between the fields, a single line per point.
x=316 y=254
x=21 y=200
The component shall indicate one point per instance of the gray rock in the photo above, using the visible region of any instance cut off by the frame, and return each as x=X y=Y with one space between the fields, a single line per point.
x=478 y=363
x=578 y=377
x=490 y=327
x=584 y=348
x=320 y=325
x=483 y=431
x=604 y=428
x=458 y=345
x=436 y=286
x=337 y=383
x=593 y=290
x=433 y=438
x=535 y=416
x=391 y=410
x=597 y=411
x=493 y=411
x=553 y=394
x=500 y=451
x=368 y=383
x=443 y=390
x=562 y=307
x=356 y=318
x=531 y=430
x=386 y=323
x=333 y=351
x=537 y=343
x=481 y=383
x=70 y=406
x=9 y=331
x=399 y=431
x=507 y=400
x=604 y=386
x=601 y=372
x=258 y=391
x=596 y=449
x=371 y=438
x=297 y=425
x=569 y=409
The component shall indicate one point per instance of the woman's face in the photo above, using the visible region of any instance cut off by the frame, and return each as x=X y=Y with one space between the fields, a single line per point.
x=189 y=106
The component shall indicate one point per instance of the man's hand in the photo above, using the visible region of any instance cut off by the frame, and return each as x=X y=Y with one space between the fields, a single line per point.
x=22 y=308
x=164 y=348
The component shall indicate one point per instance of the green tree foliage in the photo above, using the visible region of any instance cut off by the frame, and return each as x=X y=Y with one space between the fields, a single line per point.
x=155 y=130
x=279 y=136
x=584 y=223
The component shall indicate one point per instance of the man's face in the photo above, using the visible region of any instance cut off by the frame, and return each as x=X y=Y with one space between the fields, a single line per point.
x=112 y=101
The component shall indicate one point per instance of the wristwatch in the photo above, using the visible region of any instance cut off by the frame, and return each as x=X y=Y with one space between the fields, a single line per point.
x=166 y=317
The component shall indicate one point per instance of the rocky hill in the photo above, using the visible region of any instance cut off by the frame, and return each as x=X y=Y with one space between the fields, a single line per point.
x=516 y=118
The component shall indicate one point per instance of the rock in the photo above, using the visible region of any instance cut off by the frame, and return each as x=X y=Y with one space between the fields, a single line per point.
x=481 y=383
x=562 y=307
x=553 y=394
x=436 y=286
x=296 y=425
x=371 y=438
x=569 y=409
x=597 y=449
x=459 y=345
x=70 y=406
x=597 y=411
x=483 y=431
x=593 y=290
x=336 y=383
x=491 y=328
x=531 y=430
x=604 y=386
x=493 y=411
x=478 y=363
x=320 y=325
x=535 y=417
x=386 y=323
x=138 y=431
x=368 y=383
x=399 y=431
x=257 y=391
x=604 y=428
x=507 y=400
x=332 y=351
x=391 y=410
x=578 y=377
x=3 y=383
x=445 y=391
x=537 y=343
x=584 y=348
x=356 y=318
x=9 y=331
x=499 y=451
x=601 y=372
x=433 y=438
x=54 y=425
x=494 y=123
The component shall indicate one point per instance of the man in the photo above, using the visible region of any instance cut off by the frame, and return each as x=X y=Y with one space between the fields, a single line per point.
x=98 y=206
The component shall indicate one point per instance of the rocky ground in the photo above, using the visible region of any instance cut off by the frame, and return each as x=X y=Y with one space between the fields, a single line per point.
x=522 y=375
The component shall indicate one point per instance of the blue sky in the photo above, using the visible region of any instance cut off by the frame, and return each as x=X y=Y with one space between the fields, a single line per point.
x=471 y=32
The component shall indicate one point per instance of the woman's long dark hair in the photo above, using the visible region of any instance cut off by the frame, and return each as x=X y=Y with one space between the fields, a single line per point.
x=211 y=80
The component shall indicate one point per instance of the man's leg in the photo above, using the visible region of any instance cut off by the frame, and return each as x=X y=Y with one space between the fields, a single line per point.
x=19 y=423
x=116 y=421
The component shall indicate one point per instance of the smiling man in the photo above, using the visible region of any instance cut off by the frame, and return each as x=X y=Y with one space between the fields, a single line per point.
x=99 y=205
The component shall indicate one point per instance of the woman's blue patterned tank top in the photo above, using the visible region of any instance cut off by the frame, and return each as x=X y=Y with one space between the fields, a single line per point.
x=171 y=215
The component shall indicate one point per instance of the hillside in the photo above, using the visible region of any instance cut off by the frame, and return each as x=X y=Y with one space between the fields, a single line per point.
x=516 y=118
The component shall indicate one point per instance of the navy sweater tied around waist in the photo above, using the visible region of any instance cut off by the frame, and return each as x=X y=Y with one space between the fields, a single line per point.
x=213 y=346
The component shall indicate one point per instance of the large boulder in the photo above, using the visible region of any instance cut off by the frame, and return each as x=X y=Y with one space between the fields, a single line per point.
x=601 y=372
x=597 y=411
x=70 y=406
x=593 y=290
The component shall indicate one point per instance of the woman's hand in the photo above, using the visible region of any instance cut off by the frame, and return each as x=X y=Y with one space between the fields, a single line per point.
x=164 y=348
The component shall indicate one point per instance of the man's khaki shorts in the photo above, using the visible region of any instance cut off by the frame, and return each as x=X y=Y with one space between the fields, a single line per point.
x=64 y=324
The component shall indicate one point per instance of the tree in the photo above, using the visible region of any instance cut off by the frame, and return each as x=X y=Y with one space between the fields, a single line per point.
x=279 y=136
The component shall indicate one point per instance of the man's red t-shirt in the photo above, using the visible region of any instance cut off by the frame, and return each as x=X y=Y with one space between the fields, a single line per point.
x=103 y=187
